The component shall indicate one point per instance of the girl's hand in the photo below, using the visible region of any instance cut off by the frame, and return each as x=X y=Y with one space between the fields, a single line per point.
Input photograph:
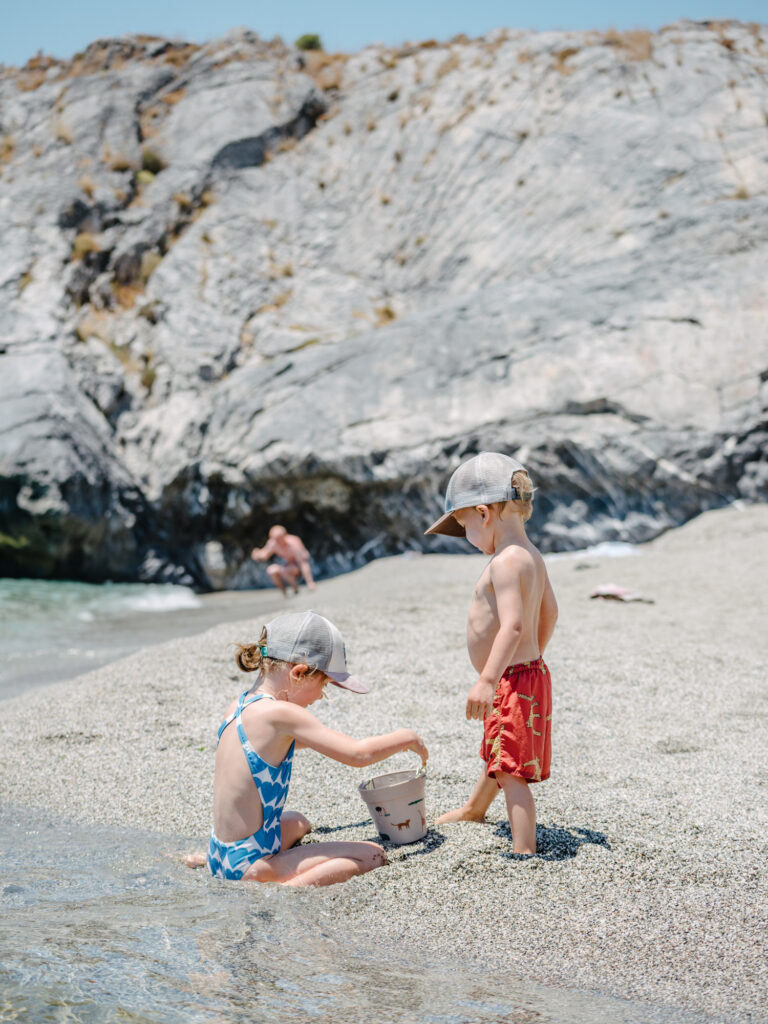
x=418 y=746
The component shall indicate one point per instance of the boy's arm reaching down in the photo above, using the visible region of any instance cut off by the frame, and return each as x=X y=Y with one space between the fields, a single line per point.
x=505 y=578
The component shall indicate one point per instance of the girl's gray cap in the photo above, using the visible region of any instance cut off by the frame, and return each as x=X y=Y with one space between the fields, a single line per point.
x=479 y=481
x=311 y=638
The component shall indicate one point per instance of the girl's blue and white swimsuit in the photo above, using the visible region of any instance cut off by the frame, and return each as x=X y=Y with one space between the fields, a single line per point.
x=231 y=860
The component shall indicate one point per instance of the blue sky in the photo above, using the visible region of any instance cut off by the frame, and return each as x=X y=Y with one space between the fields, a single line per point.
x=64 y=28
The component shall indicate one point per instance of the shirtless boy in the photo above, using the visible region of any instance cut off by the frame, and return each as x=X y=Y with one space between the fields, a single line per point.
x=292 y=560
x=511 y=619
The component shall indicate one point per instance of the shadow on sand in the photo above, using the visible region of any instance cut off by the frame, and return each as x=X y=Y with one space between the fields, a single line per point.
x=427 y=844
x=431 y=841
x=324 y=830
x=554 y=842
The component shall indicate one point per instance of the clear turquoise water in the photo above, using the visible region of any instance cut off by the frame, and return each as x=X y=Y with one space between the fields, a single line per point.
x=101 y=925
x=54 y=630
x=51 y=631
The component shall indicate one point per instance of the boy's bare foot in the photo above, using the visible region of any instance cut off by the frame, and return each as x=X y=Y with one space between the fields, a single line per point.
x=460 y=814
x=195 y=860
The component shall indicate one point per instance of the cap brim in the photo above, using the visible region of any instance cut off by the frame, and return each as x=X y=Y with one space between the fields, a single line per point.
x=347 y=682
x=448 y=525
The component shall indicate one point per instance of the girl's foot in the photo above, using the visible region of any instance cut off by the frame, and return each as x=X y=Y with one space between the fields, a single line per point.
x=195 y=860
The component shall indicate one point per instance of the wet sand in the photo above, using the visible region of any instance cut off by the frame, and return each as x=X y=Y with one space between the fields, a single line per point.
x=649 y=883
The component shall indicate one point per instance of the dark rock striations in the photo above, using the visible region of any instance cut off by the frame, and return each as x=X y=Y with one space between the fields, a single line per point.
x=241 y=284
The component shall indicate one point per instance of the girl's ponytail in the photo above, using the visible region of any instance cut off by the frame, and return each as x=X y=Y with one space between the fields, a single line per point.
x=249 y=657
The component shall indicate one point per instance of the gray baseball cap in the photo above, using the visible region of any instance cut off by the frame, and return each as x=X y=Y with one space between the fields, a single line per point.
x=313 y=639
x=483 y=479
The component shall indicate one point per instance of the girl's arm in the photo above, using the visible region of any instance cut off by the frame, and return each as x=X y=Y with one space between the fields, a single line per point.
x=310 y=732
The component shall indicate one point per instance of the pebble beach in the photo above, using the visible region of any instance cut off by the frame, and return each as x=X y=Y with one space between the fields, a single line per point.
x=649 y=883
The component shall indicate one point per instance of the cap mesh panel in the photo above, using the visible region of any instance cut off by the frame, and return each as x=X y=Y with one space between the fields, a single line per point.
x=301 y=636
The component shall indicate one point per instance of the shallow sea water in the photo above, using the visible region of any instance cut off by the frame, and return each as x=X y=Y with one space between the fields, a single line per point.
x=54 y=630
x=102 y=925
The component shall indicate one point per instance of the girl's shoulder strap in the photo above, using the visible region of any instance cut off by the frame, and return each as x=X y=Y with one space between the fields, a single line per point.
x=242 y=703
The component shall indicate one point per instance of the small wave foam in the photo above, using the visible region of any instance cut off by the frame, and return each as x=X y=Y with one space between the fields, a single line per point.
x=165 y=599
x=605 y=549
x=612 y=549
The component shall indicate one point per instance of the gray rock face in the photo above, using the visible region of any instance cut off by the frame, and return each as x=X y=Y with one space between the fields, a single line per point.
x=242 y=285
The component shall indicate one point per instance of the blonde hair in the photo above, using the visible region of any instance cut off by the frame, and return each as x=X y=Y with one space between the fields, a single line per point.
x=524 y=502
x=249 y=657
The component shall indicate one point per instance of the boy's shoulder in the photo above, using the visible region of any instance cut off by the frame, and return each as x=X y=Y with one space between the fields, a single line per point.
x=515 y=555
x=516 y=559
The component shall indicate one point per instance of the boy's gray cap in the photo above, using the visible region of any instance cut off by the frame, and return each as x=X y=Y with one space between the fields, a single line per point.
x=311 y=638
x=479 y=481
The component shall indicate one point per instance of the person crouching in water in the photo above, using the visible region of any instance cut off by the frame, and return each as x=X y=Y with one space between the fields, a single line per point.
x=253 y=838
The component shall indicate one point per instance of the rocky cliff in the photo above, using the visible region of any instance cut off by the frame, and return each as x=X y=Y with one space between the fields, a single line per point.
x=241 y=284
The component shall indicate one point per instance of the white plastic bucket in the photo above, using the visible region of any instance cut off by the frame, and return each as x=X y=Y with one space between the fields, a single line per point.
x=396 y=804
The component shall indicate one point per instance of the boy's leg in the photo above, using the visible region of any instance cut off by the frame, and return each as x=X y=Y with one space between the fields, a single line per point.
x=317 y=864
x=521 y=810
x=476 y=807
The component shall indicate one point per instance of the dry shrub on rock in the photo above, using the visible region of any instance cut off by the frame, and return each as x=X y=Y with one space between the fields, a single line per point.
x=83 y=244
x=325 y=69
x=636 y=44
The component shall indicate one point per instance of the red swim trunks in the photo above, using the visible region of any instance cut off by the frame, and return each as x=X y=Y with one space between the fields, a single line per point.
x=517 y=733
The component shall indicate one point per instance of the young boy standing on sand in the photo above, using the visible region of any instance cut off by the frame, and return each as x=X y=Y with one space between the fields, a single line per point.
x=511 y=619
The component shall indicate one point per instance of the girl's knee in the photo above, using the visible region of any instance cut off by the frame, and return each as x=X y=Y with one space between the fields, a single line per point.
x=261 y=871
x=294 y=827
x=303 y=825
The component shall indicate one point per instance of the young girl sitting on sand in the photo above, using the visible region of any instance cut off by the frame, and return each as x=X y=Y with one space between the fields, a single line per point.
x=253 y=839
